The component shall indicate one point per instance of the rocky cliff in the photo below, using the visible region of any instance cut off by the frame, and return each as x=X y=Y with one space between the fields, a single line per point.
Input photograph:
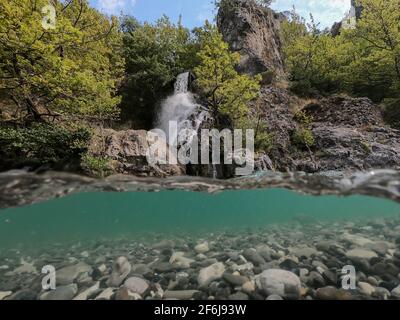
x=350 y=20
x=349 y=133
x=127 y=151
x=253 y=31
x=358 y=8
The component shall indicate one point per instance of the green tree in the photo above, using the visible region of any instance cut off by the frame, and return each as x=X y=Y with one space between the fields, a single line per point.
x=224 y=90
x=379 y=34
x=379 y=26
x=155 y=54
x=70 y=71
x=375 y=71
x=42 y=144
x=364 y=61
x=311 y=56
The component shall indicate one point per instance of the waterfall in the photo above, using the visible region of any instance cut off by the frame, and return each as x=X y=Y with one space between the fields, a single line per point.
x=182 y=108
x=182 y=83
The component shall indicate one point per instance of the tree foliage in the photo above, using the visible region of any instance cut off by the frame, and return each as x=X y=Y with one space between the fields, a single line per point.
x=225 y=91
x=71 y=70
x=42 y=145
x=364 y=61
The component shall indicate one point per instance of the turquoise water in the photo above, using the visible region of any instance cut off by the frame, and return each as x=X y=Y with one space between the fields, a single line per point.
x=98 y=215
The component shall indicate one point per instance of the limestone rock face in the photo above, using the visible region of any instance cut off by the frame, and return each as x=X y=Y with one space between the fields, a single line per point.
x=352 y=17
x=253 y=31
x=127 y=149
x=342 y=110
x=277 y=105
x=349 y=133
x=358 y=8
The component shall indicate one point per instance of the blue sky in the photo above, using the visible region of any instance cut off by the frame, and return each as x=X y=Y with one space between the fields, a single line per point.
x=194 y=12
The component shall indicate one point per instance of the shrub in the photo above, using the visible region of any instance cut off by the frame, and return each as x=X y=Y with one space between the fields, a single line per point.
x=42 y=145
x=303 y=88
x=303 y=118
x=303 y=137
x=99 y=167
x=264 y=141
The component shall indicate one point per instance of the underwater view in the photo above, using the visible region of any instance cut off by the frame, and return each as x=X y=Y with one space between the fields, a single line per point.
x=191 y=244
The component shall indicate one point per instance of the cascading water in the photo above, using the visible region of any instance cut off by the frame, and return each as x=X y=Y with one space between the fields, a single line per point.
x=182 y=83
x=182 y=108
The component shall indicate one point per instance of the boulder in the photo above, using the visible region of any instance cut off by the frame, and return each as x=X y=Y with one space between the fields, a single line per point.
x=303 y=251
x=279 y=282
x=253 y=256
x=238 y=296
x=361 y=254
x=71 y=274
x=249 y=287
x=5 y=294
x=127 y=151
x=120 y=271
x=366 y=288
x=180 y=294
x=84 y=295
x=180 y=261
x=332 y=293
x=254 y=32
x=396 y=293
x=124 y=293
x=61 y=293
x=106 y=294
x=136 y=285
x=210 y=273
x=235 y=280
x=202 y=247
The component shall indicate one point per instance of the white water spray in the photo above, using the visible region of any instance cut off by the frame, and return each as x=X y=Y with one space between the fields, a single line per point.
x=182 y=108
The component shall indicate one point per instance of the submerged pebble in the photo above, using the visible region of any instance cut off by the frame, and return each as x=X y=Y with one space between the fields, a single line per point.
x=210 y=273
x=120 y=271
x=61 y=293
x=279 y=282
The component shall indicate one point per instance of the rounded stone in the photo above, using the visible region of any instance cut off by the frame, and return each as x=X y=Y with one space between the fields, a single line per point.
x=210 y=273
x=280 y=282
x=136 y=285
x=202 y=247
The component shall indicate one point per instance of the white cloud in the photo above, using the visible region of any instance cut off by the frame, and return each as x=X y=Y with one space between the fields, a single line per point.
x=115 y=6
x=324 y=12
